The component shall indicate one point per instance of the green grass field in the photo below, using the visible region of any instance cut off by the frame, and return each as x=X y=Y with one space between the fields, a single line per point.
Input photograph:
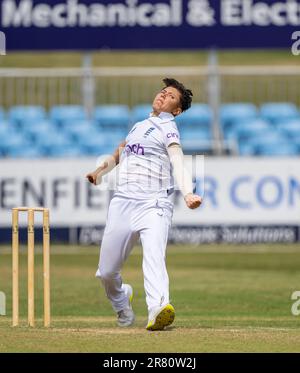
x=227 y=299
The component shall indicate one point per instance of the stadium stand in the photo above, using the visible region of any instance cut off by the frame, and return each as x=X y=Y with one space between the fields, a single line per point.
x=140 y=112
x=66 y=131
x=234 y=113
x=19 y=115
x=245 y=129
x=199 y=115
x=112 y=117
x=66 y=113
x=277 y=112
x=37 y=129
x=1 y=113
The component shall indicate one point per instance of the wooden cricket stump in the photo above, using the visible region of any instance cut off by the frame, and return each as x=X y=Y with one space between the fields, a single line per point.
x=30 y=271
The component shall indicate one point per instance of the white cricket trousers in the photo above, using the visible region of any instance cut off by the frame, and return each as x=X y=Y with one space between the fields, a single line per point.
x=126 y=220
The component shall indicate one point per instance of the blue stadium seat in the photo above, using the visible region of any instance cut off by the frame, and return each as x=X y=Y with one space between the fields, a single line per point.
x=199 y=115
x=6 y=132
x=109 y=117
x=250 y=142
x=277 y=149
x=270 y=137
x=78 y=128
x=94 y=145
x=278 y=112
x=290 y=128
x=296 y=140
x=4 y=126
x=69 y=151
x=140 y=113
x=19 y=115
x=246 y=148
x=196 y=140
x=83 y=131
x=203 y=133
x=37 y=129
x=52 y=141
x=197 y=146
x=13 y=143
x=116 y=136
x=2 y=115
x=65 y=114
x=234 y=113
x=248 y=129
x=27 y=151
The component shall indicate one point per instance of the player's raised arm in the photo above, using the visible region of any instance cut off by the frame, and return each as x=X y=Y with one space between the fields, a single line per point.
x=106 y=166
x=182 y=176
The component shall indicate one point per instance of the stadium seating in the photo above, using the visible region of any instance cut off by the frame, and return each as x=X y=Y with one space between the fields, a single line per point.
x=13 y=143
x=296 y=141
x=65 y=114
x=193 y=140
x=96 y=144
x=246 y=148
x=54 y=141
x=282 y=148
x=78 y=128
x=62 y=151
x=262 y=145
x=278 y=112
x=4 y=126
x=18 y=115
x=234 y=113
x=290 y=128
x=199 y=115
x=1 y=114
x=111 y=117
x=26 y=151
x=65 y=131
x=34 y=130
x=248 y=128
x=140 y=112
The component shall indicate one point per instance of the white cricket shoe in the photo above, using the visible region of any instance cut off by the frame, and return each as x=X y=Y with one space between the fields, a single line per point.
x=161 y=318
x=126 y=316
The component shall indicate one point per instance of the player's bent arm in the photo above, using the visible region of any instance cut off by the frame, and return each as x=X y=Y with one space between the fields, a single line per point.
x=182 y=176
x=106 y=166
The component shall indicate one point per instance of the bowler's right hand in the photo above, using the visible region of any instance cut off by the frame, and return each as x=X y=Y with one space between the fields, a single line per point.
x=192 y=201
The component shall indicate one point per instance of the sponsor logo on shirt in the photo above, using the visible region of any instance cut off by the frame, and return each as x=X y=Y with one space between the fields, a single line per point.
x=135 y=148
x=172 y=134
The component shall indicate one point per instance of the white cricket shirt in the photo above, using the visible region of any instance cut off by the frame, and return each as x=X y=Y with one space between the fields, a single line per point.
x=145 y=168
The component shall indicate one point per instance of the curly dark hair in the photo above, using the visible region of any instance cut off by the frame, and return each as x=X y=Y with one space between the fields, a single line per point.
x=186 y=94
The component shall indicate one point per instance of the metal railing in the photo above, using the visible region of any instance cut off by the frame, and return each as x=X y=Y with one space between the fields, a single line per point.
x=126 y=85
x=136 y=85
x=90 y=86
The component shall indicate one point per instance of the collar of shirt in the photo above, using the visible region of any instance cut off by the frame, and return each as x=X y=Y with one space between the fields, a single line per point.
x=165 y=117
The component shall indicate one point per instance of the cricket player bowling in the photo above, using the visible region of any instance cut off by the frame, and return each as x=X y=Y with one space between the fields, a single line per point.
x=150 y=162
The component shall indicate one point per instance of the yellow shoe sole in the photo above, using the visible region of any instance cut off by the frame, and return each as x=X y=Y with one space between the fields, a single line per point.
x=131 y=298
x=165 y=318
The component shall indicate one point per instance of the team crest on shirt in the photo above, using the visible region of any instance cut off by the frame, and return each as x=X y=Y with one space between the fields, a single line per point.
x=147 y=133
